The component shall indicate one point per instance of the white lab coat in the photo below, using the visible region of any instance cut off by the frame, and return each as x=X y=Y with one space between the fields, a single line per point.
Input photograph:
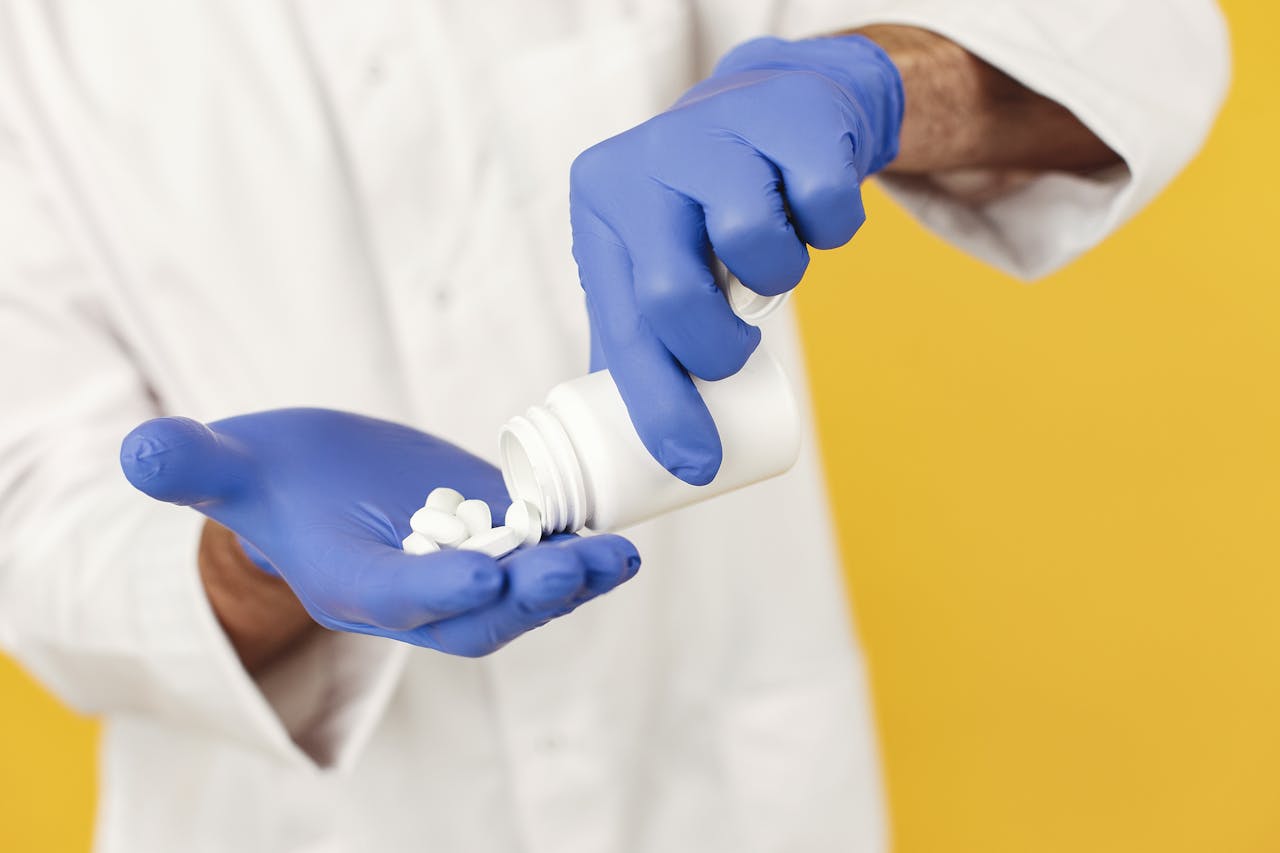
x=213 y=208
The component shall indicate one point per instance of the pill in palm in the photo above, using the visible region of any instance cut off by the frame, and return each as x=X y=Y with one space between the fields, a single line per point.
x=417 y=545
x=475 y=515
x=444 y=499
x=496 y=542
x=441 y=527
x=524 y=518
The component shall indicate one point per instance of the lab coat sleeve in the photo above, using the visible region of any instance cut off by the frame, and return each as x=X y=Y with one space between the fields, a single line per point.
x=100 y=597
x=1146 y=76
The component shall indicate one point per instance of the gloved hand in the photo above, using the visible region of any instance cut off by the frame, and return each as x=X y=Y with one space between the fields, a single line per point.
x=324 y=499
x=763 y=157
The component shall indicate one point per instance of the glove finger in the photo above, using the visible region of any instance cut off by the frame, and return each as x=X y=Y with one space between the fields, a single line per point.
x=375 y=585
x=544 y=582
x=666 y=409
x=747 y=219
x=610 y=561
x=818 y=141
x=182 y=461
x=821 y=179
x=826 y=207
x=541 y=581
x=676 y=290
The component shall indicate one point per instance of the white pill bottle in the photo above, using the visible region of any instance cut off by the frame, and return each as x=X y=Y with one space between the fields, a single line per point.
x=578 y=459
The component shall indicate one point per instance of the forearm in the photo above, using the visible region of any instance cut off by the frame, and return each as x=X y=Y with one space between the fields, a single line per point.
x=259 y=613
x=962 y=113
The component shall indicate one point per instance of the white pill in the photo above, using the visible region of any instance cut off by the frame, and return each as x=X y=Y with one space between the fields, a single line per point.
x=496 y=542
x=417 y=545
x=475 y=515
x=440 y=527
x=444 y=499
x=524 y=518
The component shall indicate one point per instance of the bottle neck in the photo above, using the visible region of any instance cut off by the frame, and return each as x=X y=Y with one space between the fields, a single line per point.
x=540 y=465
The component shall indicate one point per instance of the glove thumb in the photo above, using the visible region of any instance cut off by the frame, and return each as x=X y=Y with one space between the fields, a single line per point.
x=182 y=461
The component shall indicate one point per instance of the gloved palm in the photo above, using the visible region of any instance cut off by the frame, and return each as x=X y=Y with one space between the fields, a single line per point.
x=756 y=163
x=324 y=499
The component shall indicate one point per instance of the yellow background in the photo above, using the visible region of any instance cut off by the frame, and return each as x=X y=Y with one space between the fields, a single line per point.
x=1060 y=508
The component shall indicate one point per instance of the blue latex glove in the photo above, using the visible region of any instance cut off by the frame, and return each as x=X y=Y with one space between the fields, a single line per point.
x=325 y=498
x=763 y=157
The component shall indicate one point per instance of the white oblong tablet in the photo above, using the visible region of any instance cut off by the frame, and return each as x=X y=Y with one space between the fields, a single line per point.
x=476 y=515
x=444 y=499
x=524 y=518
x=496 y=542
x=440 y=527
x=417 y=545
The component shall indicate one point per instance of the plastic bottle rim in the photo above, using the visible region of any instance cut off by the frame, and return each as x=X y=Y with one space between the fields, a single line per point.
x=540 y=465
x=745 y=302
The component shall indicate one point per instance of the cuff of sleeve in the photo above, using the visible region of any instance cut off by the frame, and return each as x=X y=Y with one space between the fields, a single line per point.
x=1036 y=223
x=118 y=628
x=330 y=693
x=317 y=705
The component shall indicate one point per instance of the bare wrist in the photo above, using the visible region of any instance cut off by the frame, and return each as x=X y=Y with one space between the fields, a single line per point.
x=259 y=613
x=963 y=113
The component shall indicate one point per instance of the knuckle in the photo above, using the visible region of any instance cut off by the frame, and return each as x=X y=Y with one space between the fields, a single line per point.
x=656 y=138
x=822 y=194
x=605 y=163
x=591 y=166
x=776 y=272
x=529 y=604
x=829 y=208
x=788 y=271
x=737 y=232
x=782 y=274
x=663 y=296
x=721 y=356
